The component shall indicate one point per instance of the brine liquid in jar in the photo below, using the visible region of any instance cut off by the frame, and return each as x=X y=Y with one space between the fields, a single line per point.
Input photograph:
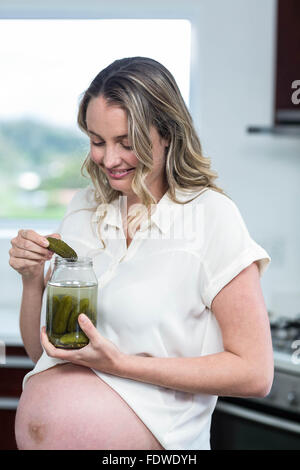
x=66 y=299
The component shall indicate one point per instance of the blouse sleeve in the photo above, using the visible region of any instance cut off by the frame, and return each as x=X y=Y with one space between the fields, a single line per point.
x=227 y=247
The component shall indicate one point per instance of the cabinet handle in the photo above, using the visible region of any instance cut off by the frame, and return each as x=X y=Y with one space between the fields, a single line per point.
x=18 y=362
x=7 y=403
x=258 y=417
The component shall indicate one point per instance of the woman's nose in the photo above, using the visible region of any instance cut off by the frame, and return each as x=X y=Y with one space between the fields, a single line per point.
x=111 y=157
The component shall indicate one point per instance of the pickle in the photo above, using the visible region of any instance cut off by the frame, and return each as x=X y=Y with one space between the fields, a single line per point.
x=81 y=308
x=61 y=248
x=71 y=327
x=62 y=314
x=55 y=304
x=74 y=340
x=54 y=339
x=92 y=316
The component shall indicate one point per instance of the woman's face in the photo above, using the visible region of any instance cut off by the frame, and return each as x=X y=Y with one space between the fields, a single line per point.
x=111 y=151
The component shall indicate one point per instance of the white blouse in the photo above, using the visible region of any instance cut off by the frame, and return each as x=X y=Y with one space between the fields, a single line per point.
x=155 y=296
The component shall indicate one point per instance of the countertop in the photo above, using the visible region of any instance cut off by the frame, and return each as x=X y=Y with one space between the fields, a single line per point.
x=10 y=336
x=9 y=327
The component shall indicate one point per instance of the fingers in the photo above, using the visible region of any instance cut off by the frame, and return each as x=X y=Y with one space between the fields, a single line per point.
x=88 y=327
x=51 y=350
x=54 y=235
x=20 y=263
x=29 y=250
x=60 y=353
x=25 y=253
x=30 y=245
x=29 y=241
x=33 y=236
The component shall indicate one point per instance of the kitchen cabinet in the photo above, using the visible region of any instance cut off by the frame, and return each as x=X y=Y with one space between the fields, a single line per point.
x=12 y=372
x=244 y=424
x=287 y=80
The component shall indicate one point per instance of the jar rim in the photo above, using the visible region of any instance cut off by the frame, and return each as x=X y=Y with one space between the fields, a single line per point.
x=71 y=262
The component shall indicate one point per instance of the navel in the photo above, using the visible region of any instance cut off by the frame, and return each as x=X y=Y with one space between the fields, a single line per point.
x=36 y=432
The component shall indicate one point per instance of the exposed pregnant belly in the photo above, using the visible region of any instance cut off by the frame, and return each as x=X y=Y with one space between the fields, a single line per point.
x=70 y=407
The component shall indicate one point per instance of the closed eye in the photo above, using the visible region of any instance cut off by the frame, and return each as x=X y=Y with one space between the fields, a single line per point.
x=100 y=144
x=97 y=144
x=126 y=147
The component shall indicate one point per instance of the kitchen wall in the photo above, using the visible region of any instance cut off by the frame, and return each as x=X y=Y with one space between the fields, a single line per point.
x=236 y=51
x=232 y=88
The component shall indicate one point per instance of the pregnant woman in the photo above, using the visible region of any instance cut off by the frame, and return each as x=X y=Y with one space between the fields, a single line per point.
x=181 y=317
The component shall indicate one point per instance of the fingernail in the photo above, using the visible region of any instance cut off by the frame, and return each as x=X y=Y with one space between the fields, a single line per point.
x=83 y=318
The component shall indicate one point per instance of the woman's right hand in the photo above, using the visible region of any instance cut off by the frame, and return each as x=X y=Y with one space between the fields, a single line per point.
x=29 y=253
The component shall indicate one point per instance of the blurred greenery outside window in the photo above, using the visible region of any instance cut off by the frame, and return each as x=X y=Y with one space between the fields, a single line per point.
x=47 y=65
x=40 y=169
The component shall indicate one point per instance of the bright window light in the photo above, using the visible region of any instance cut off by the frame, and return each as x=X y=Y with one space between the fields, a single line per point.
x=46 y=65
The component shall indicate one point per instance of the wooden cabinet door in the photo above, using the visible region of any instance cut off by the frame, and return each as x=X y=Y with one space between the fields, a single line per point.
x=12 y=373
x=287 y=90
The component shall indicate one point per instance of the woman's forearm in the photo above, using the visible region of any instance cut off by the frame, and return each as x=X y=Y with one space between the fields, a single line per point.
x=245 y=368
x=222 y=374
x=30 y=316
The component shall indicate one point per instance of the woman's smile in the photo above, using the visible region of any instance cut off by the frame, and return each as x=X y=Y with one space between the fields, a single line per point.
x=117 y=174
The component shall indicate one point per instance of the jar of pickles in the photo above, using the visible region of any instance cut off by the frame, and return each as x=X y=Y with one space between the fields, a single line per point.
x=71 y=290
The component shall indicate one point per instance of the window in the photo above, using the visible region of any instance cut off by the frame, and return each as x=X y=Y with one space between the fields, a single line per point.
x=46 y=65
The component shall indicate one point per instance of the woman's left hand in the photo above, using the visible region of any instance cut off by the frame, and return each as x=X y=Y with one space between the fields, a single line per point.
x=100 y=353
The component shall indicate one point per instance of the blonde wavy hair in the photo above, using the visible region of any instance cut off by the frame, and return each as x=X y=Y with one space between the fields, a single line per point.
x=148 y=93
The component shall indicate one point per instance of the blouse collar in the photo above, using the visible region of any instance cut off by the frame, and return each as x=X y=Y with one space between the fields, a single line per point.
x=163 y=217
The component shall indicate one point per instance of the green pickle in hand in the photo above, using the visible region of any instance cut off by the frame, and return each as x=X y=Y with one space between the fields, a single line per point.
x=61 y=248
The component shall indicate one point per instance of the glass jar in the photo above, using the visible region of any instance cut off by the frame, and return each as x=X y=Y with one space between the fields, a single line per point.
x=71 y=290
